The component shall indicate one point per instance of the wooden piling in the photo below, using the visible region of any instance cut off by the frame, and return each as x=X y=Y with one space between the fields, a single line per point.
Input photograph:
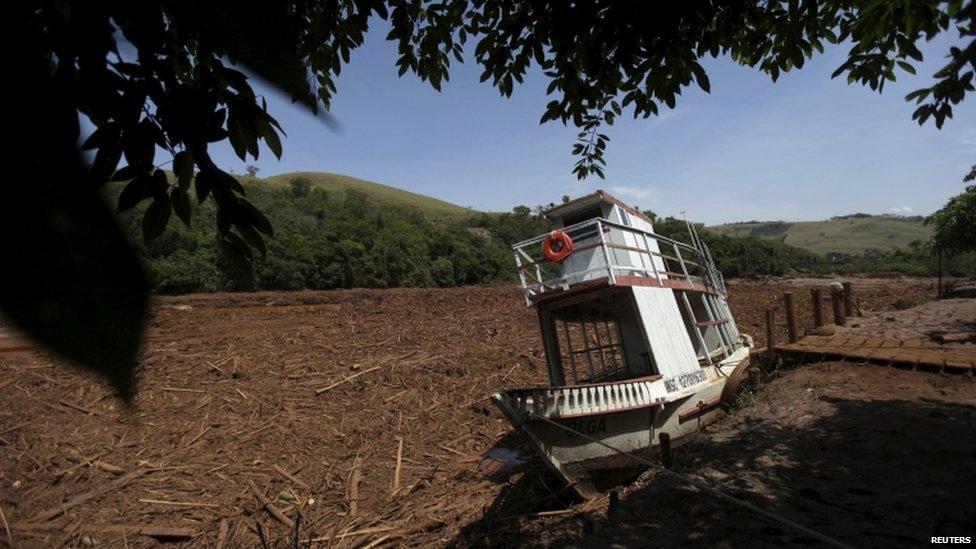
x=835 y=302
x=770 y=338
x=755 y=376
x=848 y=300
x=816 y=295
x=666 y=457
x=790 y=316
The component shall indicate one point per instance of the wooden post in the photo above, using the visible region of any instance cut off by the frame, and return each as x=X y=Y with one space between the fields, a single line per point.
x=755 y=376
x=835 y=302
x=817 y=296
x=666 y=457
x=848 y=300
x=939 y=290
x=790 y=316
x=770 y=338
x=550 y=344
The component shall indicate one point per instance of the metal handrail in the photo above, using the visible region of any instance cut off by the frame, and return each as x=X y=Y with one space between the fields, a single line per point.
x=710 y=276
x=603 y=221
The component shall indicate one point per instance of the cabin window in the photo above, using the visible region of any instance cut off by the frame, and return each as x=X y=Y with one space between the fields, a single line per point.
x=624 y=218
x=592 y=212
x=582 y=233
x=591 y=351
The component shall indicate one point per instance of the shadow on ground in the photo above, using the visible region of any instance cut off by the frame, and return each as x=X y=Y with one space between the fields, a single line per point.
x=867 y=472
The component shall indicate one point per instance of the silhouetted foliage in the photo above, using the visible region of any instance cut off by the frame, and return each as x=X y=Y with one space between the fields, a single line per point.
x=159 y=75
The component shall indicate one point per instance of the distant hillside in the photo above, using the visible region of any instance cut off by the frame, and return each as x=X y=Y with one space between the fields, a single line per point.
x=847 y=234
x=377 y=192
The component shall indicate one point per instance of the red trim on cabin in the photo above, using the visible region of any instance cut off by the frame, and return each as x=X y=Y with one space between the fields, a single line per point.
x=629 y=209
x=704 y=323
x=572 y=202
x=604 y=282
x=603 y=197
x=700 y=410
x=578 y=288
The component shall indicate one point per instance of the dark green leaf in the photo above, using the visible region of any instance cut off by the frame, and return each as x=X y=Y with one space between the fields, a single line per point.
x=906 y=67
x=253 y=239
x=271 y=138
x=125 y=173
x=156 y=217
x=181 y=204
x=183 y=169
x=134 y=192
x=203 y=185
x=229 y=181
x=106 y=161
x=159 y=185
x=237 y=139
x=254 y=217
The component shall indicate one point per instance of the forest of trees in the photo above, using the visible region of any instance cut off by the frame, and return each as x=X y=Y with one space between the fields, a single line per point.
x=738 y=256
x=332 y=240
x=326 y=240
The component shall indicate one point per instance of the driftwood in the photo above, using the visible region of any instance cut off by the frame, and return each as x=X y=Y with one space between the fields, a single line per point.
x=117 y=484
x=362 y=532
x=108 y=467
x=270 y=507
x=222 y=533
x=399 y=464
x=165 y=532
x=178 y=503
x=354 y=479
x=376 y=542
x=281 y=471
x=68 y=404
x=6 y=527
x=14 y=428
x=92 y=461
x=346 y=379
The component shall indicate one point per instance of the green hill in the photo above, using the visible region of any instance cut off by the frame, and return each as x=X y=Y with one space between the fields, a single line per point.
x=378 y=193
x=848 y=234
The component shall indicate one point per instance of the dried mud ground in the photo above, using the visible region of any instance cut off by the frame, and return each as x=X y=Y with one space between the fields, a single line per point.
x=228 y=399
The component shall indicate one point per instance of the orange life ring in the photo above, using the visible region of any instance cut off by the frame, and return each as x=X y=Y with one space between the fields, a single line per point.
x=557 y=246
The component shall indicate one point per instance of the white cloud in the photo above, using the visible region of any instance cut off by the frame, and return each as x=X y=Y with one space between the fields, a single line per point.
x=901 y=210
x=635 y=193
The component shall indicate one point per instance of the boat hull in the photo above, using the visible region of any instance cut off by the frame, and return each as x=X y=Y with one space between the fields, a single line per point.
x=568 y=442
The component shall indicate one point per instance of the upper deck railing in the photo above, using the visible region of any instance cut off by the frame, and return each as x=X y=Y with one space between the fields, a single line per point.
x=620 y=254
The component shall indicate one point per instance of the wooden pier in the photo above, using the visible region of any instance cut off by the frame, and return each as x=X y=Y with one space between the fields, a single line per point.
x=909 y=353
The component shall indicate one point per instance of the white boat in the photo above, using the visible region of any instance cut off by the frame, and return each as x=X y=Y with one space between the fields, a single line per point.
x=638 y=338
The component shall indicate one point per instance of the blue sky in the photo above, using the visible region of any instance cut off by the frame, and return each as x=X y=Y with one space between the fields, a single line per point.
x=804 y=148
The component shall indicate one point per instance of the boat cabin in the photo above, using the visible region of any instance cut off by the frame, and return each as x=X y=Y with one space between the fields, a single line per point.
x=638 y=337
x=625 y=303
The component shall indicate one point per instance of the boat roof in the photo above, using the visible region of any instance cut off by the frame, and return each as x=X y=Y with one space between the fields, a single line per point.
x=587 y=201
